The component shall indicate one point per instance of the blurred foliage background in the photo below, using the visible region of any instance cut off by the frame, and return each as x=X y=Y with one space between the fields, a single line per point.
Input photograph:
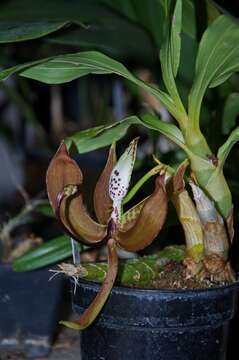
x=35 y=117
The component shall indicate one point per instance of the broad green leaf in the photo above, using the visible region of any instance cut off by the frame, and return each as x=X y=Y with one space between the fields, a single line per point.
x=171 y=47
x=49 y=253
x=20 y=31
x=116 y=37
x=98 y=137
x=170 y=53
x=186 y=71
x=170 y=130
x=225 y=149
x=230 y=112
x=17 y=68
x=189 y=19
x=217 y=59
x=175 y=38
x=64 y=68
x=123 y=6
x=53 y=10
x=149 y=14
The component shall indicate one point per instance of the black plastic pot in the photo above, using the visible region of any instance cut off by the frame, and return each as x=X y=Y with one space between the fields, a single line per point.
x=29 y=310
x=153 y=324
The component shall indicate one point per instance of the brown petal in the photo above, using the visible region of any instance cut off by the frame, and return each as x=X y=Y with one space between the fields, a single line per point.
x=74 y=216
x=93 y=310
x=230 y=226
x=102 y=201
x=61 y=172
x=149 y=221
x=129 y=218
x=178 y=182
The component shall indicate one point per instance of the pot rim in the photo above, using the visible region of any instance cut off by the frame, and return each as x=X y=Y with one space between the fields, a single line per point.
x=141 y=291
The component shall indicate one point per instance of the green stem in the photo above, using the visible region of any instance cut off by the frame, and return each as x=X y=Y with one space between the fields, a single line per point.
x=138 y=272
x=141 y=182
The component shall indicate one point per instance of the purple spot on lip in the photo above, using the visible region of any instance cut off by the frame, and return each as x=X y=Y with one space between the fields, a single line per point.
x=116 y=172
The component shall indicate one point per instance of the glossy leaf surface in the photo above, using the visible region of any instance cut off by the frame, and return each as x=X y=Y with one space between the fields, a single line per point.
x=101 y=136
x=22 y=31
x=49 y=253
x=217 y=59
x=65 y=68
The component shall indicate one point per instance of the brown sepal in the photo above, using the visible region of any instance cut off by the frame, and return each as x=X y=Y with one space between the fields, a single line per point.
x=63 y=175
x=149 y=221
x=102 y=201
x=75 y=218
x=130 y=217
x=178 y=182
x=62 y=171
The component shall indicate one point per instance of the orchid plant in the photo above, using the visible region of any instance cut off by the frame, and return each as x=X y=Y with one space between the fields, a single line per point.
x=207 y=218
x=131 y=231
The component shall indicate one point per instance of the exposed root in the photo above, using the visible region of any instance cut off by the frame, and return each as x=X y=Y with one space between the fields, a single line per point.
x=192 y=268
x=213 y=267
x=218 y=268
x=69 y=270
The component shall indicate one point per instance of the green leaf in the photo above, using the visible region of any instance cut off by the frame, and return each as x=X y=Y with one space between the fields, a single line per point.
x=101 y=136
x=217 y=59
x=116 y=37
x=170 y=130
x=64 y=68
x=175 y=39
x=49 y=253
x=149 y=14
x=225 y=149
x=230 y=112
x=53 y=10
x=189 y=19
x=20 y=31
x=170 y=54
x=18 y=68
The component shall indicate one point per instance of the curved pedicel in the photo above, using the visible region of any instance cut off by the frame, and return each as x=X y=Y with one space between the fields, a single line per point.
x=149 y=221
x=95 y=307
